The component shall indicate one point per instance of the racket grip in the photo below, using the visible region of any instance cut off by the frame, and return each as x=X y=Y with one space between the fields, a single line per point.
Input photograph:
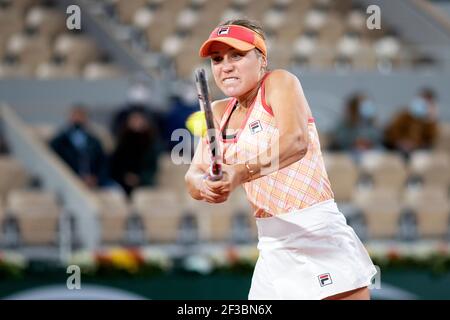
x=215 y=172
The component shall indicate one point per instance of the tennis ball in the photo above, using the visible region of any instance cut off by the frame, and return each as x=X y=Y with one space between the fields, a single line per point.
x=196 y=124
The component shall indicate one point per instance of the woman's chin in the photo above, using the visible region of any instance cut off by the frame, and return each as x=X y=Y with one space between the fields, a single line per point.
x=231 y=92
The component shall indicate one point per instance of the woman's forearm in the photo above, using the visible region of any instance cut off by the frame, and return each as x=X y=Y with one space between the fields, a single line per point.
x=282 y=153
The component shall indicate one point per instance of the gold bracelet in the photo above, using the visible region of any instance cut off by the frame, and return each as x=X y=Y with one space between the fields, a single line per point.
x=250 y=172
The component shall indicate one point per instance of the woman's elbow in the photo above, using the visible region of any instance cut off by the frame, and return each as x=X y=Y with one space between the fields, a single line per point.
x=300 y=146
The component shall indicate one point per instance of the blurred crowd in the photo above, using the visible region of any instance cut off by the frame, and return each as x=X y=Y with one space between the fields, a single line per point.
x=140 y=132
x=414 y=127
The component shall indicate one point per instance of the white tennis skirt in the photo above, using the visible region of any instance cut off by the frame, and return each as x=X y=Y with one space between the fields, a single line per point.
x=309 y=254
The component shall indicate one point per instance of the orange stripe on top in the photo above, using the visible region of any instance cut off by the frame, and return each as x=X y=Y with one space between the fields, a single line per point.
x=269 y=108
x=229 y=109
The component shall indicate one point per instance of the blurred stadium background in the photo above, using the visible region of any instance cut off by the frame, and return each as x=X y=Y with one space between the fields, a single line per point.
x=132 y=226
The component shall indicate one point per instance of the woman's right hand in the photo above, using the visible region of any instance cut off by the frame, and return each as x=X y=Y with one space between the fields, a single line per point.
x=208 y=194
x=199 y=190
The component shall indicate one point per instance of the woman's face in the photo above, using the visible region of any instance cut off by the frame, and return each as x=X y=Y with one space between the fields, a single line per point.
x=235 y=72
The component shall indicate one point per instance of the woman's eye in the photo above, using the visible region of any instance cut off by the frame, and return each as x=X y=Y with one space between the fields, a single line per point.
x=216 y=59
x=237 y=55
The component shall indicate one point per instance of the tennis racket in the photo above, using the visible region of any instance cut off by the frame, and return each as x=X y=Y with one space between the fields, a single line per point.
x=215 y=170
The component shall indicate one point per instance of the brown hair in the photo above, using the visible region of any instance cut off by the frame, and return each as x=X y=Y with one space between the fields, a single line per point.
x=250 y=24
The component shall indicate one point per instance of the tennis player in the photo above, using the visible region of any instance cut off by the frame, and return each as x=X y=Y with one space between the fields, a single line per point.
x=270 y=146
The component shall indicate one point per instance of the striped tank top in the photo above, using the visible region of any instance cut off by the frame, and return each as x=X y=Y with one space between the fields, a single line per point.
x=297 y=186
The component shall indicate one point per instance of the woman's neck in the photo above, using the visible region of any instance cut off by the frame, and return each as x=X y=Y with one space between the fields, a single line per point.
x=246 y=99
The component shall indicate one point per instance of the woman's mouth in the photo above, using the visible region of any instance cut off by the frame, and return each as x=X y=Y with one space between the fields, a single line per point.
x=229 y=80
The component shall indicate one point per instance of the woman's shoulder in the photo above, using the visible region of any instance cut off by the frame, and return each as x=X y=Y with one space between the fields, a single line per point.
x=219 y=106
x=279 y=76
x=280 y=81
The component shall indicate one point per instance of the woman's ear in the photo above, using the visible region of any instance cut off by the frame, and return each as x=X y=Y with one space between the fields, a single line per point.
x=264 y=62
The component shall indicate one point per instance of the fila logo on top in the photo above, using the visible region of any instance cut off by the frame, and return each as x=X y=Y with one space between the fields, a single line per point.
x=325 y=279
x=255 y=127
x=223 y=31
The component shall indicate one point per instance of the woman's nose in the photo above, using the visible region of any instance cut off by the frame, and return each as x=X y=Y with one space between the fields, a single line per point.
x=227 y=65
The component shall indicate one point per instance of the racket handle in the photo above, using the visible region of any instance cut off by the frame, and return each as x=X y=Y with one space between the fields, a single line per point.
x=215 y=171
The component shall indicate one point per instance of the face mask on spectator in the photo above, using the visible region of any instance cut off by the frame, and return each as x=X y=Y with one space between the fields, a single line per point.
x=418 y=108
x=78 y=138
x=78 y=126
x=367 y=109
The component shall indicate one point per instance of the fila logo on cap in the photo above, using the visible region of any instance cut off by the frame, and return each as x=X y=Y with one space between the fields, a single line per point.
x=255 y=126
x=223 y=31
x=325 y=279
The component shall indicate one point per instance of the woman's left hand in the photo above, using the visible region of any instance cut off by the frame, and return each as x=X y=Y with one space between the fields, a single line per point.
x=231 y=179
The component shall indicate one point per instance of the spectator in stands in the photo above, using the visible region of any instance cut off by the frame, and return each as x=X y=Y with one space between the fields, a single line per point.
x=183 y=102
x=134 y=162
x=3 y=145
x=358 y=130
x=416 y=126
x=81 y=150
x=138 y=100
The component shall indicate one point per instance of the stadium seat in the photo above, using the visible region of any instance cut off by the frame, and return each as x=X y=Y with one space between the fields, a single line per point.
x=274 y=19
x=343 y=175
x=211 y=16
x=13 y=175
x=159 y=30
x=126 y=9
x=214 y=219
x=186 y=19
x=381 y=210
x=431 y=207
x=365 y=58
x=389 y=49
x=289 y=32
x=355 y=20
x=171 y=175
x=99 y=70
x=230 y=221
x=257 y=8
x=31 y=50
x=45 y=21
x=75 y=49
x=300 y=7
x=172 y=45
x=11 y=22
x=49 y=70
x=331 y=30
x=113 y=215
x=243 y=210
x=386 y=170
x=349 y=45
x=315 y=19
x=443 y=139
x=37 y=214
x=15 y=71
x=323 y=57
x=2 y=219
x=304 y=47
x=279 y=53
x=160 y=212
x=23 y=5
x=432 y=168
